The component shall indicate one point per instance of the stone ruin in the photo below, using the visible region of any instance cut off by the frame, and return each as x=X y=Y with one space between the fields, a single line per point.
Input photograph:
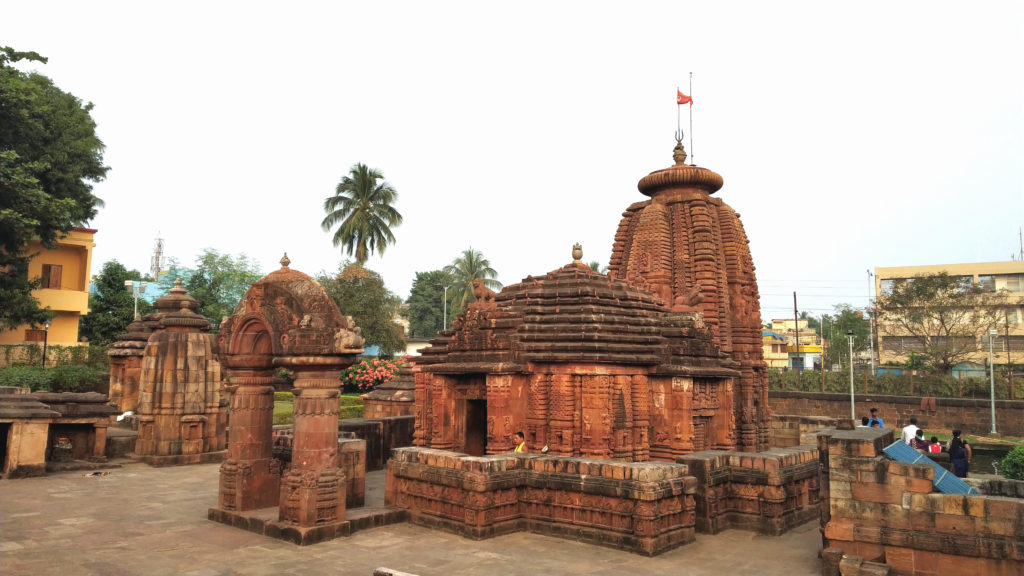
x=285 y=321
x=48 y=431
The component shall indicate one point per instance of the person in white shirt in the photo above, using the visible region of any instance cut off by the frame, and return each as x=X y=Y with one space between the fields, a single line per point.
x=909 y=432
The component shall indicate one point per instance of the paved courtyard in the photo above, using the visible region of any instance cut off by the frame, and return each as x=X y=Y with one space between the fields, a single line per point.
x=152 y=521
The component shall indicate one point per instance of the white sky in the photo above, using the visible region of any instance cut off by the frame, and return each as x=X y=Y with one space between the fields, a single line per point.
x=850 y=135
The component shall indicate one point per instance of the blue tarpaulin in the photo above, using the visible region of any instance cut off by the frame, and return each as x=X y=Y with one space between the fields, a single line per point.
x=945 y=481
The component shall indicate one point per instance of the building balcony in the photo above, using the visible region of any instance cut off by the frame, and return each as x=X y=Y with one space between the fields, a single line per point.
x=63 y=300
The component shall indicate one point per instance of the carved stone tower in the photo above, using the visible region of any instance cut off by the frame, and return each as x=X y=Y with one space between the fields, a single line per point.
x=685 y=244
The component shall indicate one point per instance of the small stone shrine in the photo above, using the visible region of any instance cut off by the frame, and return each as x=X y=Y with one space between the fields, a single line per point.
x=181 y=416
x=585 y=365
x=285 y=321
x=126 y=366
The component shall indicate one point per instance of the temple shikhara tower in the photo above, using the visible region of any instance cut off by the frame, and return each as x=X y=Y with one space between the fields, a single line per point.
x=684 y=243
x=658 y=359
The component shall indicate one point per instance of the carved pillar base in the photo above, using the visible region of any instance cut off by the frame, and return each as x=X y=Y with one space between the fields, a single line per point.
x=311 y=498
x=250 y=477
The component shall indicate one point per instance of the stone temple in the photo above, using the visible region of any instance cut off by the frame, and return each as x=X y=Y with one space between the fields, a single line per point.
x=658 y=359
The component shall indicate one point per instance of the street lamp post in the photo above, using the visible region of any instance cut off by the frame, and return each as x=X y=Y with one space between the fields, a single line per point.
x=444 y=317
x=849 y=337
x=992 y=378
x=131 y=288
x=46 y=336
x=871 y=325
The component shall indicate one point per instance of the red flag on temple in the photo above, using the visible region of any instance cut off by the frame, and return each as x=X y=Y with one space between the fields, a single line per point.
x=683 y=98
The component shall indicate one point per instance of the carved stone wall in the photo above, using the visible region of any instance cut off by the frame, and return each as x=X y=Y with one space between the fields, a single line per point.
x=768 y=492
x=647 y=508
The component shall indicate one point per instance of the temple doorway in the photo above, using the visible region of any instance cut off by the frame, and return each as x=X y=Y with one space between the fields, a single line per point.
x=4 y=433
x=476 y=427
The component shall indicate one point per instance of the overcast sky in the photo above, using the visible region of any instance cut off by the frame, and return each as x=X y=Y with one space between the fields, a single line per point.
x=850 y=135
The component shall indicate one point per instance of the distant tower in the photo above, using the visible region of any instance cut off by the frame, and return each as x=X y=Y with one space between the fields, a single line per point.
x=157 y=263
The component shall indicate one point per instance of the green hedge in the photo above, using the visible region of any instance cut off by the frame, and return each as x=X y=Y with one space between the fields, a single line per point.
x=65 y=378
x=349 y=406
x=31 y=354
x=939 y=385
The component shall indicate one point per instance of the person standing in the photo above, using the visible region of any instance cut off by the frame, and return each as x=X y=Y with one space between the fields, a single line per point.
x=959 y=454
x=909 y=432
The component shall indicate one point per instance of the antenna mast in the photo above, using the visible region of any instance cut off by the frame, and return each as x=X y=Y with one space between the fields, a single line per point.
x=157 y=262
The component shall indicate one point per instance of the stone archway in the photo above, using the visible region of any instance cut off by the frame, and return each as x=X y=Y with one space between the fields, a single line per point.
x=285 y=321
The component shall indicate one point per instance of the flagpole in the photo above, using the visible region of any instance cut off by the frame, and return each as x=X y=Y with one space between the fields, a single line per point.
x=678 y=126
x=691 y=120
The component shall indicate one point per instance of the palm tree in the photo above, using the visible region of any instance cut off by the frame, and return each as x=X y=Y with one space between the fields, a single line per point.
x=596 y=267
x=362 y=209
x=469 y=266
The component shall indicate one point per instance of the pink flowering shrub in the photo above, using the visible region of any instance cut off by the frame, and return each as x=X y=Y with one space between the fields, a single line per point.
x=368 y=374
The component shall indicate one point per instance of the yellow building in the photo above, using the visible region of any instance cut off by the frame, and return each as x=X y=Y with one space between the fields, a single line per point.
x=773 y=346
x=1008 y=346
x=65 y=270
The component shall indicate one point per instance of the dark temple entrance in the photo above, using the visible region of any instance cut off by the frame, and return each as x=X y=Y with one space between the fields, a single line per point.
x=476 y=427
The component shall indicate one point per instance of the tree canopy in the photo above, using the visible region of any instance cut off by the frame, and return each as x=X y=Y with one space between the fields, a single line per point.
x=49 y=155
x=468 y=266
x=426 y=303
x=361 y=294
x=112 y=307
x=218 y=281
x=834 y=330
x=939 y=318
x=363 y=212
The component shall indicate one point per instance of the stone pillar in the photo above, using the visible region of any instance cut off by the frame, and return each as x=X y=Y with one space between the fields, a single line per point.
x=250 y=477
x=99 y=446
x=313 y=487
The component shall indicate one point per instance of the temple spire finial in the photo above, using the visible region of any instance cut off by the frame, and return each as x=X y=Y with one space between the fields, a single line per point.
x=577 y=253
x=679 y=152
x=285 y=261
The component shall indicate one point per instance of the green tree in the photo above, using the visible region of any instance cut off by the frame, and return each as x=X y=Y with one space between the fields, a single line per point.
x=469 y=266
x=596 y=267
x=426 y=303
x=112 y=307
x=362 y=209
x=361 y=294
x=941 y=317
x=217 y=282
x=846 y=319
x=812 y=322
x=49 y=154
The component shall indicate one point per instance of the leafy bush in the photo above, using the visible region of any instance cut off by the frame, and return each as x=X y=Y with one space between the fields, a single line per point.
x=1012 y=465
x=283 y=397
x=25 y=377
x=368 y=374
x=64 y=378
x=72 y=378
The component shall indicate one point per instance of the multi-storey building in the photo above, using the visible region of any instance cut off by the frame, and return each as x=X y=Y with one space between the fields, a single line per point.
x=1008 y=345
x=65 y=271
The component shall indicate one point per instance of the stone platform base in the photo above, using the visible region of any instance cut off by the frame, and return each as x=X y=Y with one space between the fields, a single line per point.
x=264 y=521
x=76 y=465
x=182 y=459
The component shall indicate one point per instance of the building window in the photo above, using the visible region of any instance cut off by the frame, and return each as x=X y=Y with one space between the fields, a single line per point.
x=34 y=335
x=987 y=282
x=51 y=276
x=1014 y=282
x=887 y=285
